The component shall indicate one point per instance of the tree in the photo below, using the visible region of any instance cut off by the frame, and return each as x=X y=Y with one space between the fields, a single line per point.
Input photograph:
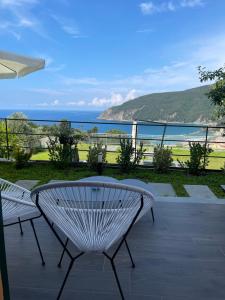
x=128 y=159
x=22 y=129
x=217 y=91
x=115 y=131
x=93 y=130
x=63 y=143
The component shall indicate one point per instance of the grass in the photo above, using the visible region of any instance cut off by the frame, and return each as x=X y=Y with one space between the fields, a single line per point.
x=214 y=162
x=83 y=152
x=44 y=172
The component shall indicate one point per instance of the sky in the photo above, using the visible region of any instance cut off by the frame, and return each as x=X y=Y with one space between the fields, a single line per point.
x=100 y=53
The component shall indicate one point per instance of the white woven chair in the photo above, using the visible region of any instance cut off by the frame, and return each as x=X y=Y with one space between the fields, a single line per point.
x=143 y=185
x=92 y=215
x=100 y=179
x=17 y=208
x=132 y=182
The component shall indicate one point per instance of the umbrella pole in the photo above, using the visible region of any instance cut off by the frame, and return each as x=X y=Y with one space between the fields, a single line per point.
x=3 y=264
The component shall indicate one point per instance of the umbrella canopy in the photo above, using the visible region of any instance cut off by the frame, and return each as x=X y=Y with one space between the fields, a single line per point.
x=13 y=65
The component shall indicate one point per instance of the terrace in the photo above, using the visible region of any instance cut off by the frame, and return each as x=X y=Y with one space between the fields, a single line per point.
x=181 y=256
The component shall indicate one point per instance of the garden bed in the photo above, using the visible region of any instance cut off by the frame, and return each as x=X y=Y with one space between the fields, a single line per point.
x=45 y=172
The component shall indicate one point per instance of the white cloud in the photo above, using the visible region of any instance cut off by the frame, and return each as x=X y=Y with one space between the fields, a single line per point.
x=152 y=7
x=68 y=26
x=55 y=102
x=76 y=103
x=56 y=68
x=192 y=3
x=15 y=3
x=20 y=16
x=80 y=81
x=47 y=91
x=148 y=8
x=42 y=104
x=176 y=75
x=146 y=30
x=113 y=100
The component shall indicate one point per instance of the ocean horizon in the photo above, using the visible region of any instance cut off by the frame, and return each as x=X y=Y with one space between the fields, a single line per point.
x=78 y=117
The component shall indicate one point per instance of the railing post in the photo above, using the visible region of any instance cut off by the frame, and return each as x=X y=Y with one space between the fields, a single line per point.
x=7 y=138
x=163 y=136
x=71 y=156
x=206 y=142
x=134 y=137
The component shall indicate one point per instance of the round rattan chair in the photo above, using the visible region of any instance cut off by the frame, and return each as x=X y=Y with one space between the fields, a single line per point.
x=17 y=208
x=92 y=215
x=141 y=184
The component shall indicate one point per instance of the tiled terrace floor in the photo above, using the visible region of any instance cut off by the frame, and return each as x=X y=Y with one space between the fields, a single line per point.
x=180 y=257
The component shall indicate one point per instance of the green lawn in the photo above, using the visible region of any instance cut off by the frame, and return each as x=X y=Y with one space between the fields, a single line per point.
x=110 y=157
x=83 y=151
x=45 y=172
x=214 y=163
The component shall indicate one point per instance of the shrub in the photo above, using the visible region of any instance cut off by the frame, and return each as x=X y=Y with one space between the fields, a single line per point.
x=162 y=158
x=127 y=159
x=63 y=144
x=59 y=154
x=21 y=156
x=198 y=158
x=93 y=153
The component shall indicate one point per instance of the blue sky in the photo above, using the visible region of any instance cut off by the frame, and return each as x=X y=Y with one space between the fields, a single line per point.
x=101 y=53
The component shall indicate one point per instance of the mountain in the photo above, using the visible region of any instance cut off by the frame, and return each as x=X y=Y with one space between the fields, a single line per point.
x=187 y=106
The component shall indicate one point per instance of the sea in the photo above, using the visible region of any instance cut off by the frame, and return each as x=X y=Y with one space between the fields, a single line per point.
x=149 y=130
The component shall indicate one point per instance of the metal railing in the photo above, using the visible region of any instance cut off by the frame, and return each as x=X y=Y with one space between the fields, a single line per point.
x=176 y=136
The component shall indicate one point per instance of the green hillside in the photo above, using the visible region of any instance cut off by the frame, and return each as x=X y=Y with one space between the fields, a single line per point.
x=185 y=106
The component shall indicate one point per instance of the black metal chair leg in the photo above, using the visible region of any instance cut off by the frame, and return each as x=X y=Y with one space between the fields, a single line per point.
x=36 y=238
x=67 y=274
x=117 y=279
x=128 y=250
x=64 y=250
x=20 y=224
x=64 y=281
x=153 y=217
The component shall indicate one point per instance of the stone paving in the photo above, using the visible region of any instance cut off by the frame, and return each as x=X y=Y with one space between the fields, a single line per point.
x=199 y=191
x=163 y=192
x=27 y=184
x=162 y=189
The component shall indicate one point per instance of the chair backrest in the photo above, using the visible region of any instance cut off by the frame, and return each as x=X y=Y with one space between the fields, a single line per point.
x=16 y=200
x=138 y=183
x=100 y=179
x=93 y=215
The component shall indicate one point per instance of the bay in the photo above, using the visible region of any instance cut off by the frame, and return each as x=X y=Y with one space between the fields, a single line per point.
x=144 y=131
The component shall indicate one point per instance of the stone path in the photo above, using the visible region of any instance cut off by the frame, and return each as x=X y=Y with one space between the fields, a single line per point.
x=190 y=200
x=199 y=191
x=27 y=184
x=55 y=180
x=162 y=189
x=163 y=192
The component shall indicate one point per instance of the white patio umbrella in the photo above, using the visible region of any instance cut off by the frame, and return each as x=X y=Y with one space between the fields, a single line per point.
x=13 y=65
